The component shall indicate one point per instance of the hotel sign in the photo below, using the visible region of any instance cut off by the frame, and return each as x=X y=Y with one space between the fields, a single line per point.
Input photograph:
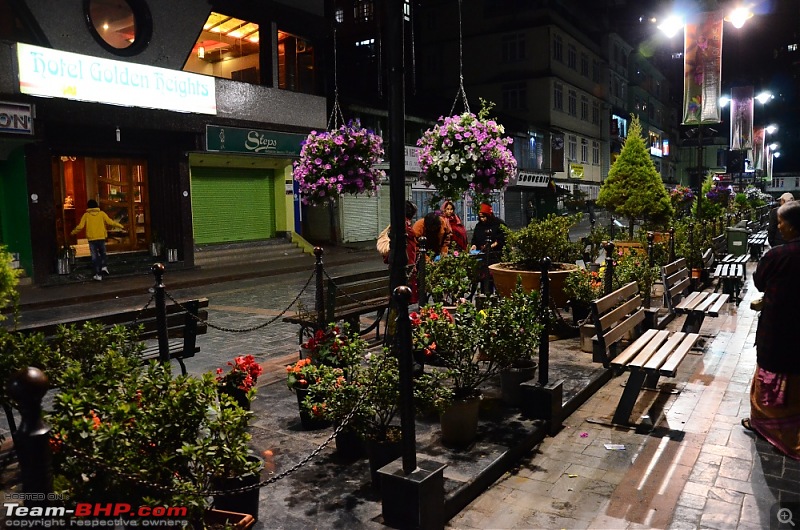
x=57 y=74
x=253 y=141
x=16 y=118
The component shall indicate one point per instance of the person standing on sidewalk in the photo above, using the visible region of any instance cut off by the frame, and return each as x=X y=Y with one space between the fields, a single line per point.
x=95 y=222
x=775 y=391
x=773 y=234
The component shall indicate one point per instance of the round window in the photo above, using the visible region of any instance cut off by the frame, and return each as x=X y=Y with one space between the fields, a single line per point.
x=122 y=27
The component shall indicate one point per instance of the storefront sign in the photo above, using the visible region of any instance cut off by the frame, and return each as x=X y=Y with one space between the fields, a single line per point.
x=58 y=74
x=410 y=161
x=576 y=171
x=16 y=118
x=534 y=180
x=253 y=141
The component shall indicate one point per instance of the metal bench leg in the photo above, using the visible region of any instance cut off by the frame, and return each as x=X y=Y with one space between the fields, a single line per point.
x=628 y=399
x=693 y=322
x=651 y=381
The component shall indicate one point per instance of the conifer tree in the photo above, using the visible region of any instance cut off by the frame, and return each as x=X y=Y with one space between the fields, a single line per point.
x=633 y=188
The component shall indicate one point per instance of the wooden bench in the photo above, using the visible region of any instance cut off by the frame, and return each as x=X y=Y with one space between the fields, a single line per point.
x=708 y=259
x=347 y=298
x=653 y=354
x=756 y=242
x=184 y=323
x=720 y=245
x=696 y=305
x=731 y=273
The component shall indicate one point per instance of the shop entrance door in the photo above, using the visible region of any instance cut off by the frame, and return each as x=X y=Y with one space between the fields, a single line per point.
x=119 y=185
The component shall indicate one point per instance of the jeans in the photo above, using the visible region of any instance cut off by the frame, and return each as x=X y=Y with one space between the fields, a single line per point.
x=98 y=249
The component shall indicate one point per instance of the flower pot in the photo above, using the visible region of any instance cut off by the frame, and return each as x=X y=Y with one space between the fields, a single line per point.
x=242 y=502
x=307 y=420
x=63 y=266
x=349 y=444
x=587 y=332
x=306 y=353
x=156 y=249
x=511 y=378
x=697 y=274
x=224 y=519
x=380 y=454
x=460 y=422
x=238 y=395
x=505 y=280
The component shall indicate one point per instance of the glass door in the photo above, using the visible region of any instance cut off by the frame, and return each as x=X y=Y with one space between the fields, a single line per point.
x=122 y=195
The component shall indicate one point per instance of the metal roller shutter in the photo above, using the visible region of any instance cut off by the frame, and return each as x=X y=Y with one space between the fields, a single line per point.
x=230 y=204
x=359 y=218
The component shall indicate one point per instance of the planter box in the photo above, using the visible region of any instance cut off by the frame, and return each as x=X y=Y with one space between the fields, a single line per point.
x=587 y=332
x=505 y=280
x=224 y=519
x=626 y=247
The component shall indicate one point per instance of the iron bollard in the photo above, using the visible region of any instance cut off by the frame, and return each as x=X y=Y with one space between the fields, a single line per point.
x=402 y=296
x=703 y=225
x=319 y=301
x=608 y=246
x=544 y=342
x=32 y=439
x=692 y=262
x=161 y=312
x=671 y=244
x=422 y=251
x=651 y=260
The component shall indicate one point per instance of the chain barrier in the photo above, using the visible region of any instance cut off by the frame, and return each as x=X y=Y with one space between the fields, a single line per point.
x=358 y=302
x=244 y=330
x=143 y=309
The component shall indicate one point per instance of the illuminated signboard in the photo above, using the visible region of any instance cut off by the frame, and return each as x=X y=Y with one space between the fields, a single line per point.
x=53 y=73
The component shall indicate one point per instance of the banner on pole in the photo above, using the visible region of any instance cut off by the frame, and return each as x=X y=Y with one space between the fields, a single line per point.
x=759 y=136
x=702 y=69
x=742 y=117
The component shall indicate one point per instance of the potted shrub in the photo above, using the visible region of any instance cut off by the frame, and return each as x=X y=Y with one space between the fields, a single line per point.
x=451 y=277
x=123 y=420
x=335 y=346
x=240 y=381
x=300 y=376
x=527 y=247
x=581 y=287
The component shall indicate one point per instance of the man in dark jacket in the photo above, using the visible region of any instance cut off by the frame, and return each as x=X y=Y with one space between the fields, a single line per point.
x=487 y=236
x=773 y=234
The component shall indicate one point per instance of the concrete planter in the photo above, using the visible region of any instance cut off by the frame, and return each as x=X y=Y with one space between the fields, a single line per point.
x=505 y=280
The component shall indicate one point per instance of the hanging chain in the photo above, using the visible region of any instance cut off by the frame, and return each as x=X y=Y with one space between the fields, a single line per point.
x=336 y=111
x=245 y=330
x=461 y=94
x=358 y=302
x=142 y=310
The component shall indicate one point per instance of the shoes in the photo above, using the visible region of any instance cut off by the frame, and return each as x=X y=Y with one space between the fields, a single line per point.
x=746 y=424
x=104 y=270
x=97 y=277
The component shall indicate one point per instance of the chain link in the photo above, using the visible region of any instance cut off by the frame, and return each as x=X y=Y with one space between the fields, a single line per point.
x=244 y=330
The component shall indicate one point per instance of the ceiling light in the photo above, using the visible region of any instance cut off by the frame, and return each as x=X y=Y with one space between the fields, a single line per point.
x=201 y=52
x=765 y=96
x=671 y=26
x=739 y=16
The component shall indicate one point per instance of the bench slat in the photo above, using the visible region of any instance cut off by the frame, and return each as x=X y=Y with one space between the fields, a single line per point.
x=691 y=301
x=647 y=352
x=718 y=305
x=670 y=367
x=630 y=323
x=610 y=300
x=631 y=351
x=660 y=357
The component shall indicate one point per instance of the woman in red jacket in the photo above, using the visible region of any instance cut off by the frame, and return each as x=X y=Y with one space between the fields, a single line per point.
x=459 y=231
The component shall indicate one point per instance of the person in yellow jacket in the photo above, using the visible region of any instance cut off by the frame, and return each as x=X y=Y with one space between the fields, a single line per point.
x=95 y=222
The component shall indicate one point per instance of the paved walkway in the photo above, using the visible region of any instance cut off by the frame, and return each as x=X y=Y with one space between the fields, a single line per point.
x=698 y=469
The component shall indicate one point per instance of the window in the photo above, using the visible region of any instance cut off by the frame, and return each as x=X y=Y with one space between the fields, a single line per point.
x=558 y=96
x=227 y=47
x=512 y=47
x=595 y=113
x=572 y=148
x=363 y=10
x=777 y=183
x=122 y=27
x=596 y=153
x=792 y=47
x=558 y=48
x=514 y=96
x=295 y=64
x=584 y=108
x=584 y=65
x=595 y=71
x=339 y=15
x=407 y=10
x=572 y=56
x=573 y=103
x=584 y=150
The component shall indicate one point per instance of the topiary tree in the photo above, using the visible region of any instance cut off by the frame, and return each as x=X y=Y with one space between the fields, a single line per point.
x=634 y=189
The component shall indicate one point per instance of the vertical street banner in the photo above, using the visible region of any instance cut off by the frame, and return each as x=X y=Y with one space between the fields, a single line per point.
x=768 y=162
x=557 y=152
x=742 y=118
x=759 y=136
x=702 y=69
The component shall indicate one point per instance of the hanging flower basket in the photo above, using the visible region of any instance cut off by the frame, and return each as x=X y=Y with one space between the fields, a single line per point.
x=466 y=152
x=339 y=161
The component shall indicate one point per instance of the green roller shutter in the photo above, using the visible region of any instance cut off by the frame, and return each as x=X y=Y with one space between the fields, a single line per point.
x=232 y=204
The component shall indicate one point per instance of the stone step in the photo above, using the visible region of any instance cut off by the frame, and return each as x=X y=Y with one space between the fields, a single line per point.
x=272 y=251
